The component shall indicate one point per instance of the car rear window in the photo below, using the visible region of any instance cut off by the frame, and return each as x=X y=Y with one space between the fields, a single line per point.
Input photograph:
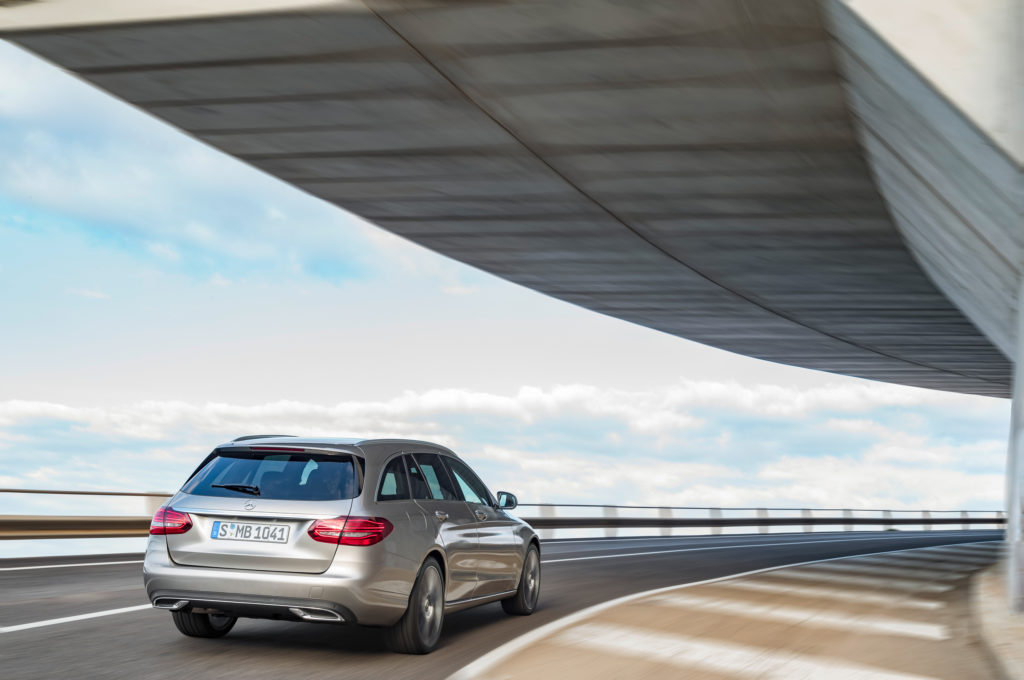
x=298 y=476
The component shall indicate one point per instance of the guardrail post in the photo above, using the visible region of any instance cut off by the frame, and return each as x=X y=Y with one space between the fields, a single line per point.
x=848 y=516
x=926 y=517
x=611 y=513
x=887 y=515
x=715 y=514
x=665 y=513
x=964 y=525
x=546 y=511
x=762 y=514
x=807 y=514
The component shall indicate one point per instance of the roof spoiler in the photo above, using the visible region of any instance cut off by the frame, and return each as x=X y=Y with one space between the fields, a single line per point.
x=259 y=436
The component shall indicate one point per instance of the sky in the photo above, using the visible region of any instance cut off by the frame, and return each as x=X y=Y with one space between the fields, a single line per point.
x=159 y=297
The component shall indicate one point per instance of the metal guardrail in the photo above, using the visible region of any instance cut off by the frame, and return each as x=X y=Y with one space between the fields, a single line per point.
x=548 y=518
x=553 y=518
x=53 y=492
x=21 y=527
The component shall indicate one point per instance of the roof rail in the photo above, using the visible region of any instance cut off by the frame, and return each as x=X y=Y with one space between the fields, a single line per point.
x=259 y=436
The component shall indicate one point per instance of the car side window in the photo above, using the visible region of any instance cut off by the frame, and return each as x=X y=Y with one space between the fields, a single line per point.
x=394 y=485
x=473 y=490
x=432 y=471
x=417 y=483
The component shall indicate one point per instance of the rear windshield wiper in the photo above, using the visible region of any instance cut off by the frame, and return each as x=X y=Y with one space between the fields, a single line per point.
x=244 y=488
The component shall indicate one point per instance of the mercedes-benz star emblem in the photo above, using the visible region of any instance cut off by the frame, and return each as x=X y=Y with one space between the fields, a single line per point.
x=249 y=505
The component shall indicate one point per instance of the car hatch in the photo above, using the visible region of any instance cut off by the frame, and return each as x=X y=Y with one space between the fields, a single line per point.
x=252 y=509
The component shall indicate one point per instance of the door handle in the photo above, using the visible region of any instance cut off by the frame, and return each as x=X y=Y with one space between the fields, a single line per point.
x=481 y=515
x=441 y=516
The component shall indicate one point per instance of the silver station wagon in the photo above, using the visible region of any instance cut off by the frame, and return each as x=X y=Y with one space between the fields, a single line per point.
x=377 y=532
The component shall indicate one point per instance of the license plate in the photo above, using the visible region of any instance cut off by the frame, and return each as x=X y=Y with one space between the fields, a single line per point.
x=248 y=531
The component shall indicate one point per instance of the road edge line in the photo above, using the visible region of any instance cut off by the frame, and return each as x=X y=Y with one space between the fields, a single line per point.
x=70 y=619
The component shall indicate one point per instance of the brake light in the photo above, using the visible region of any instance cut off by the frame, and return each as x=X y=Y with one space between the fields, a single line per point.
x=170 y=521
x=351 y=530
x=275 y=448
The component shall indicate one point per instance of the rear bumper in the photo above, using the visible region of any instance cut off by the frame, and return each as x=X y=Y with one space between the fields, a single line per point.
x=348 y=592
x=261 y=607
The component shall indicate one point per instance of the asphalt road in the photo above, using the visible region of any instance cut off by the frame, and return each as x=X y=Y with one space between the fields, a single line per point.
x=145 y=644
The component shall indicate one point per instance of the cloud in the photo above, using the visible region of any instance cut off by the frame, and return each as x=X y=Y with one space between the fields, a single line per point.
x=895 y=445
x=165 y=251
x=567 y=477
x=92 y=294
x=866 y=483
x=459 y=290
x=791 y=481
x=653 y=413
x=777 y=400
x=582 y=443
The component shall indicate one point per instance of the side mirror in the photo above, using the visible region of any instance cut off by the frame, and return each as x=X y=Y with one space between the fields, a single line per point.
x=507 y=501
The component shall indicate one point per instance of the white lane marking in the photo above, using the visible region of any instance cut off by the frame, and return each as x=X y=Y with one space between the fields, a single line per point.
x=688 y=545
x=485 y=663
x=958 y=556
x=977 y=560
x=913 y=561
x=740 y=537
x=972 y=546
x=624 y=539
x=69 y=619
x=878 y=582
x=968 y=550
x=719 y=657
x=77 y=564
x=855 y=566
x=859 y=597
x=721 y=547
x=725 y=539
x=800 y=615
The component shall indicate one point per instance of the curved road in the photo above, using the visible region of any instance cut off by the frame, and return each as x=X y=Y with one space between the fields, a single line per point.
x=142 y=643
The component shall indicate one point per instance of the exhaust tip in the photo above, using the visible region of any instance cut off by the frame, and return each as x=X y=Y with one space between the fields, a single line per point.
x=315 y=614
x=172 y=605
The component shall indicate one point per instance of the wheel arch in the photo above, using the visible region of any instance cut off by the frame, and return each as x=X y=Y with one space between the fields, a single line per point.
x=437 y=554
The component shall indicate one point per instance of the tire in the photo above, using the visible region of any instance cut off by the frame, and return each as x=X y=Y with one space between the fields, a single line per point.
x=524 y=602
x=203 y=625
x=419 y=629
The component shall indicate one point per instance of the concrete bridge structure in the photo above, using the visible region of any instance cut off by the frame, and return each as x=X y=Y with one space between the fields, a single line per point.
x=833 y=184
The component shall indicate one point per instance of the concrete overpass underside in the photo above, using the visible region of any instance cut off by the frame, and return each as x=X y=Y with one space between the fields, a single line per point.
x=693 y=167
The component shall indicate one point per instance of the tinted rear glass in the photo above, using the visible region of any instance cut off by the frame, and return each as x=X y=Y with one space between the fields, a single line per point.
x=430 y=478
x=393 y=482
x=280 y=476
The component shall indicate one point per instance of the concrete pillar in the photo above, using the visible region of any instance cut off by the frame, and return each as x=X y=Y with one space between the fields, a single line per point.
x=1015 y=476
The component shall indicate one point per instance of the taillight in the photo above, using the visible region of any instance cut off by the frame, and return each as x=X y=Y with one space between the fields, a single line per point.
x=170 y=521
x=351 y=530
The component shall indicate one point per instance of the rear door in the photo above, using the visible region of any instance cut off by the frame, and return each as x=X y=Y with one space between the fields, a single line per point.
x=435 y=492
x=251 y=509
x=500 y=552
x=410 y=538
